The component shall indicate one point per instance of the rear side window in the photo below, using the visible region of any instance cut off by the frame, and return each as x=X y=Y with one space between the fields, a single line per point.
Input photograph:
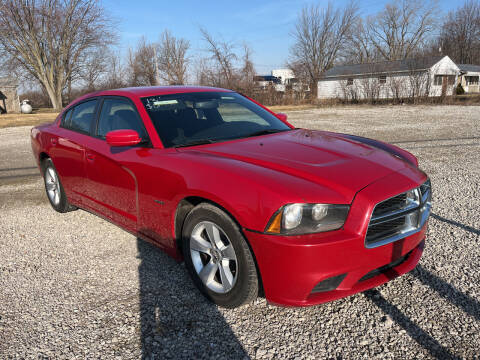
x=119 y=114
x=66 y=118
x=82 y=117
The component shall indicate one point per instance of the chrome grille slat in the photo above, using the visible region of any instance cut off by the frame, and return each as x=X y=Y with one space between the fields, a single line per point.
x=376 y=218
x=399 y=216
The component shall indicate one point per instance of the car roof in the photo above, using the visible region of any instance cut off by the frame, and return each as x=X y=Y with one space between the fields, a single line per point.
x=145 y=91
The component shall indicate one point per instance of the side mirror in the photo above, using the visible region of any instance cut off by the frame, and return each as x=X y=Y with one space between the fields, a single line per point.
x=123 y=138
x=282 y=116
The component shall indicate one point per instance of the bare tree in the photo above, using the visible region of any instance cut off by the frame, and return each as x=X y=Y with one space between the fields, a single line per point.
x=319 y=36
x=114 y=74
x=201 y=71
x=51 y=39
x=141 y=64
x=172 y=58
x=397 y=86
x=402 y=27
x=246 y=73
x=350 y=91
x=359 y=48
x=419 y=81
x=91 y=72
x=223 y=56
x=460 y=35
x=370 y=88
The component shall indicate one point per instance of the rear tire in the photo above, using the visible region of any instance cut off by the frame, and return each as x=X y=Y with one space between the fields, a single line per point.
x=54 y=189
x=218 y=257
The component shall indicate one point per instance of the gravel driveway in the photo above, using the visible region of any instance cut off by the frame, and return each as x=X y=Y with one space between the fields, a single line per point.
x=75 y=286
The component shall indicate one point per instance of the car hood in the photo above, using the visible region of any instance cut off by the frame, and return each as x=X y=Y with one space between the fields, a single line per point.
x=327 y=159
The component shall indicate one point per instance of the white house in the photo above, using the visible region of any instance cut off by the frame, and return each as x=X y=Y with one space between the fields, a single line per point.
x=469 y=77
x=429 y=76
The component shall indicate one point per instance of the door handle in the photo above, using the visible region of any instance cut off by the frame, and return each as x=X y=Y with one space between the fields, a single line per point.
x=54 y=141
x=90 y=157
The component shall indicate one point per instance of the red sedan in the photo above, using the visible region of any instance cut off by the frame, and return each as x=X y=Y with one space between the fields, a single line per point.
x=247 y=200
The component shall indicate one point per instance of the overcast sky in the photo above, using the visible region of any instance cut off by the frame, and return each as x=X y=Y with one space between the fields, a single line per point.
x=264 y=25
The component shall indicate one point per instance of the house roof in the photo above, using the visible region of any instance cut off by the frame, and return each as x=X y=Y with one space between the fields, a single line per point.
x=384 y=67
x=469 y=67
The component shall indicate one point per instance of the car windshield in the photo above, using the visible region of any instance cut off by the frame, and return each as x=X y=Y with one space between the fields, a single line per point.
x=189 y=119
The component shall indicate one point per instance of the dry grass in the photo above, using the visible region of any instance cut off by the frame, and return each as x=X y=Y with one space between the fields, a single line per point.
x=40 y=117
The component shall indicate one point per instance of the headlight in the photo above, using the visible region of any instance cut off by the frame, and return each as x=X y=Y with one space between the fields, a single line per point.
x=296 y=219
x=292 y=216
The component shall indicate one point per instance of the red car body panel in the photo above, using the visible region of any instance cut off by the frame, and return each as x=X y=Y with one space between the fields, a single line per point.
x=140 y=188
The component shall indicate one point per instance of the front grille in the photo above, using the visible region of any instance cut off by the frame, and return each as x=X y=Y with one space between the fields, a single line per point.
x=399 y=216
x=386 y=228
x=391 y=204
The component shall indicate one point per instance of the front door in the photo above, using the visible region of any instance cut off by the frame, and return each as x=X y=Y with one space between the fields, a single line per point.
x=112 y=186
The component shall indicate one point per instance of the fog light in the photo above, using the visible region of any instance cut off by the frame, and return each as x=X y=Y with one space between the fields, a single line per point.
x=329 y=284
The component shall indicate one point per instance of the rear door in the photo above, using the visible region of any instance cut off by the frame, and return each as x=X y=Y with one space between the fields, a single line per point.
x=67 y=148
x=112 y=186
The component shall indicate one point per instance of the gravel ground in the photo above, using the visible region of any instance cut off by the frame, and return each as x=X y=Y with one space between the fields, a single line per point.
x=75 y=286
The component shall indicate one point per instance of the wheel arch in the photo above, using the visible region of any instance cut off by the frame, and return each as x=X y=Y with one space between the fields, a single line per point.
x=185 y=206
x=42 y=157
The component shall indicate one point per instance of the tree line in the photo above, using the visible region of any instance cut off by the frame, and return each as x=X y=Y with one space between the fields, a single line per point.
x=69 y=47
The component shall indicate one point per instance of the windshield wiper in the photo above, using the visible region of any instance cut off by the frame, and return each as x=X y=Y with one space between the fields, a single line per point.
x=195 y=142
x=265 y=132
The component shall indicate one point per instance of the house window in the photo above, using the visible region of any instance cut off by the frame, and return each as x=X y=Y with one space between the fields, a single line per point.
x=451 y=79
x=471 y=80
x=382 y=79
x=349 y=81
x=438 y=80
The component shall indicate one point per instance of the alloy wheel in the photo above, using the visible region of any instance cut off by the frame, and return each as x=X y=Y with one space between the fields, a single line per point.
x=52 y=185
x=213 y=257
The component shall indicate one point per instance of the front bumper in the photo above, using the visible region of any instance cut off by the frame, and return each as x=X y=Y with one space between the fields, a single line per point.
x=292 y=266
x=290 y=272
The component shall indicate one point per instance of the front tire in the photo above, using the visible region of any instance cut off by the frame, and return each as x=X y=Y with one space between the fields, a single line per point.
x=218 y=257
x=54 y=189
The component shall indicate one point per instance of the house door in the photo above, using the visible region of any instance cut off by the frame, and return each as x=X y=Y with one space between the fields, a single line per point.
x=444 y=85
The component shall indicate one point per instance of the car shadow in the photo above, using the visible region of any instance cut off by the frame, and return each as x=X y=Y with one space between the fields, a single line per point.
x=9 y=174
x=20 y=168
x=457 y=224
x=176 y=321
x=413 y=330
x=468 y=304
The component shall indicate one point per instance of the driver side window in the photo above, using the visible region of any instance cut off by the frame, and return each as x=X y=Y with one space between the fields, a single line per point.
x=119 y=114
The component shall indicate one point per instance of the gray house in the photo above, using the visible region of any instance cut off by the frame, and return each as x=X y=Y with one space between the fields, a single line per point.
x=9 y=101
x=429 y=76
x=469 y=77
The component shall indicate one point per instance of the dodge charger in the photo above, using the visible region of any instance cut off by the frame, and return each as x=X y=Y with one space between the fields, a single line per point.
x=250 y=203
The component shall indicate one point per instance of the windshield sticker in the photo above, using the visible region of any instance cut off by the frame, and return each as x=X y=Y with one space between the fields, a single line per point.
x=165 y=102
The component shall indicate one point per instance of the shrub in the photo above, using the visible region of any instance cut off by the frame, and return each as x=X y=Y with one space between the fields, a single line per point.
x=460 y=90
